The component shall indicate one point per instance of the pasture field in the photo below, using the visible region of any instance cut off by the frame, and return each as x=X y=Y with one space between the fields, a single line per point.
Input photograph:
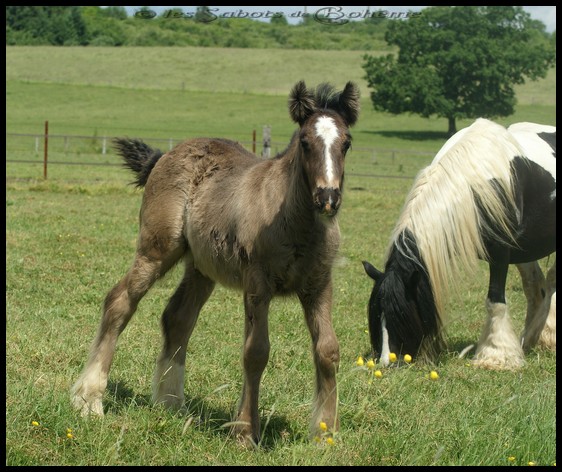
x=70 y=238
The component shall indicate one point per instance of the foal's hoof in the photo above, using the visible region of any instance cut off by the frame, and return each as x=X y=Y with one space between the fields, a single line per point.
x=86 y=398
x=94 y=407
x=244 y=436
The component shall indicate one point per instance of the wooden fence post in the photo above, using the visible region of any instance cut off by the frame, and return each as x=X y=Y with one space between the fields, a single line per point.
x=45 y=154
x=266 y=152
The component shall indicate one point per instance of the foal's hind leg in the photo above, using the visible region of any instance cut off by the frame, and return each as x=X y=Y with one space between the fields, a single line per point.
x=178 y=321
x=540 y=324
x=160 y=246
x=120 y=305
x=317 y=305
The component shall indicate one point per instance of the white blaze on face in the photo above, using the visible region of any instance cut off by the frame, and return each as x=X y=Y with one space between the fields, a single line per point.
x=327 y=131
x=385 y=354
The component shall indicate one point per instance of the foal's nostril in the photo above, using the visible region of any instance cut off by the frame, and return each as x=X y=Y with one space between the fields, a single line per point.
x=327 y=200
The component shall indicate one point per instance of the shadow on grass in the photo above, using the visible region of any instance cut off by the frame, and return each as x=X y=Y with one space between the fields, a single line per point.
x=411 y=135
x=274 y=429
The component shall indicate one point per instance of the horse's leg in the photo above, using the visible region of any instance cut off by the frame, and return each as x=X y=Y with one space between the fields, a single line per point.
x=317 y=305
x=160 y=245
x=548 y=334
x=540 y=324
x=257 y=297
x=533 y=281
x=120 y=305
x=498 y=347
x=178 y=321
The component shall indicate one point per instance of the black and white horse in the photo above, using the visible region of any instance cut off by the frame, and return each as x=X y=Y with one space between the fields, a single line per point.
x=490 y=194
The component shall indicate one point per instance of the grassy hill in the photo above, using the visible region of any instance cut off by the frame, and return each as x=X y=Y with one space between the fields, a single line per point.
x=72 y=236
x=190 y=91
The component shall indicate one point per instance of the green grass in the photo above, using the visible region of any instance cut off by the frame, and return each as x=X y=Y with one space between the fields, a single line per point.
x=70 y=238
x=68 y=244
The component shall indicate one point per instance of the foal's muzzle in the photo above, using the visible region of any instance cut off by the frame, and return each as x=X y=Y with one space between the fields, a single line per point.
x=327 y=200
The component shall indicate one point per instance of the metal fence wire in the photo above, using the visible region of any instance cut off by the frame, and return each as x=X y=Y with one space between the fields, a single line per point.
x=76 y=150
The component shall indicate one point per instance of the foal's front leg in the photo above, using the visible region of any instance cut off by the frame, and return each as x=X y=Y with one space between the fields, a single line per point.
x=255 y=357
x=317 y=305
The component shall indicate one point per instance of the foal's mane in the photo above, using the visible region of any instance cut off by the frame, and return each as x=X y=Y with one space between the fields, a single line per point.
x=452 y=202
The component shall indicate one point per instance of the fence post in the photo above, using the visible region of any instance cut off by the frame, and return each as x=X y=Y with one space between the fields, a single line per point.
x=266 y=152
x=104 y=145
x=46 y=150
x=254 y=142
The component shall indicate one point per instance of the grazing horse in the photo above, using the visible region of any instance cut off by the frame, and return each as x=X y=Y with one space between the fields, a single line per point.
x=267 y=227
x=489 y=194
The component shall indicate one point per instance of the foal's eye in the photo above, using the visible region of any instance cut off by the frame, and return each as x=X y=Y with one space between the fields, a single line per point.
x=305 y=144
x=346 y=146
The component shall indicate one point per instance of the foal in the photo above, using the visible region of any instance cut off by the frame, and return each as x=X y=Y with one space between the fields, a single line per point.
x=266 y=227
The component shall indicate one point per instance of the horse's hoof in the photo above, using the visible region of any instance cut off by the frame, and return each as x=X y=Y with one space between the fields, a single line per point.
x=498 y=364
x=91 y=408
x=244 y=435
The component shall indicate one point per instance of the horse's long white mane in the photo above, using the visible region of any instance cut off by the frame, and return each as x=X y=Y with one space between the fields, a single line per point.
x=441 y=211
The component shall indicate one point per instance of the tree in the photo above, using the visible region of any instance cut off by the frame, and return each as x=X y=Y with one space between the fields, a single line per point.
x=459 y=62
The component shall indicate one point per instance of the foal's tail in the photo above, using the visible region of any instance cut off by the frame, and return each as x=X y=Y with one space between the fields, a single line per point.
x=138 y=156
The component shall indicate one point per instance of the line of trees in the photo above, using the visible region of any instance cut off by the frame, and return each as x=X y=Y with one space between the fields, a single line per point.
x=112 y=26
x=451 y=62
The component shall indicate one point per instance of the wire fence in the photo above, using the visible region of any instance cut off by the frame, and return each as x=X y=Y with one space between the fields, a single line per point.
x=76 y=150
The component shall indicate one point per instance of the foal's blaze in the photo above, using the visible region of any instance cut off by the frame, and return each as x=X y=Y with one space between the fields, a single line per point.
x=264 y=226
x=324 y=140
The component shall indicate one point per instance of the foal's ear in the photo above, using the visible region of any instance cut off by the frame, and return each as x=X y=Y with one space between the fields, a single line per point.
x=372 y=272
x=349 y=103
x=301 y=103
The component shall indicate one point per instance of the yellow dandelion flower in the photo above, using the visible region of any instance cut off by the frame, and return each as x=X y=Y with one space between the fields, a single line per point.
x=371 y=364
x=323 y=426
x=330 y=441
x=433 y=375
x=34 y=423
x=407 y=358
x=511 y=458
x=392 y=357
x=68 y=430
x=69 y=435
x=532 y=463
x=360 y=361
x=378 y=374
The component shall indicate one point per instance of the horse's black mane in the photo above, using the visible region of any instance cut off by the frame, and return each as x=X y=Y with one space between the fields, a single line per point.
x=406 y=281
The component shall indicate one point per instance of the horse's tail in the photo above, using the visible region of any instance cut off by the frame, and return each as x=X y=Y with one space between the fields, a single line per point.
x=138 y=156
